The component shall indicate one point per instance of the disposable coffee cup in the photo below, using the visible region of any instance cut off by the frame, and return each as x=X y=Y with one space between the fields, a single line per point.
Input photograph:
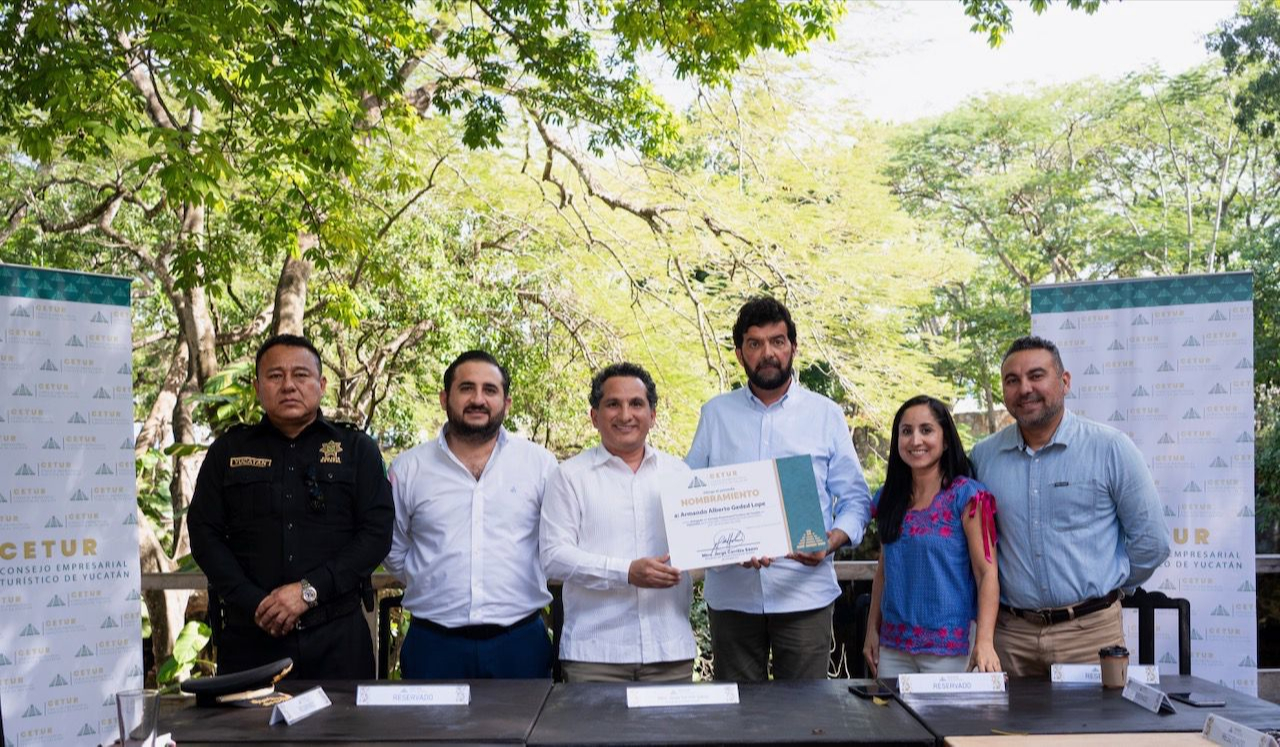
x=1115 y=666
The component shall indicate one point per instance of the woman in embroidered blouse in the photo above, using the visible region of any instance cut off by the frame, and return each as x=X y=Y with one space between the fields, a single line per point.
x=937 y=570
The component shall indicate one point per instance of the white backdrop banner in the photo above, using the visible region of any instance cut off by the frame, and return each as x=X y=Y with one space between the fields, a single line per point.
x=1169 y=361
x=70 y=612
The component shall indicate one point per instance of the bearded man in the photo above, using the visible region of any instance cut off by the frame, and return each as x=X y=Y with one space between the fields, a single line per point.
x=1080 y=520
x=465 y=542
x=781 y=605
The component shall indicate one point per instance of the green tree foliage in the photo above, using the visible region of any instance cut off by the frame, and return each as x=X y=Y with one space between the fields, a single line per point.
x=1247 y=43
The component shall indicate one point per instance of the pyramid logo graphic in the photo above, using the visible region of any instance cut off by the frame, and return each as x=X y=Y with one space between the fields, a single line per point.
x=1166 y=367
x=57 y=601
x=85 y=731
x=110 y=622
x=1192 y=487
x=1246 y=512
x=1139 y=321
x=1247 y=586
x=24 y=470
x=110 y=701
x=126 y=445
x=103 y=470
x=1191 y=414
x=1117 y=415
x=1067 y=324
x=1071 y=395
x=1218 y=389
x=1115 y=345
x=1220 y=611
x=1248 y=661
x=1166 y=439
x=30 y=630
x=75 y=342
x=132 y=596
x=79 y=495
x=1195 y=635
x=1245 y=437
x=1168 y=659
x=51 y=444
x=1218 y=316
x=697 y=483
x=810 y=540
x=129 y=520
x=31 y=711
x=48 y=365
x=1168 y=585
x=5 y=661
x=1245 y=363
x=84 y=651
x=76 y=419
x=1217 y=462
x=1191 y=342
x=1092 y=370
x=22 y=391
x=58 y=681
x=102 y=393
x=134 y=671
x=98 y=318
x=126 y=369
x=21 y=311
x=53 y=523
x=1169 y=511
x=1141 y=391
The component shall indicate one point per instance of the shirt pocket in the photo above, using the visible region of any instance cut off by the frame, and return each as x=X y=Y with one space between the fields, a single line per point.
x=1078 y=505
x=247 y=496
x=337 y=485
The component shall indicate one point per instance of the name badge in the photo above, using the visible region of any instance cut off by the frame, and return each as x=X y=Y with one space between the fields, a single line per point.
x=966 y=682
x=681 y=695
x=413 y=695
x=1230 y=734
x=299 y=707
x=1147 y=674
x=1148 y=697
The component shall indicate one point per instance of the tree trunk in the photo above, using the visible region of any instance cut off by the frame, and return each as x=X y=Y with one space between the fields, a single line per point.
x=291 y=289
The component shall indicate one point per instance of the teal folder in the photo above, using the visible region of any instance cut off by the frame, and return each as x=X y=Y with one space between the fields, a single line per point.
x=806 y=528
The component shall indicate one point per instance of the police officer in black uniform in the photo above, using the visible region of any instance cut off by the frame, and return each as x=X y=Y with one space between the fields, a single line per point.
x=288 y=520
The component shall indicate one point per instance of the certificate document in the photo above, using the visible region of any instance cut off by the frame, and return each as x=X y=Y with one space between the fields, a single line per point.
x=730 y=514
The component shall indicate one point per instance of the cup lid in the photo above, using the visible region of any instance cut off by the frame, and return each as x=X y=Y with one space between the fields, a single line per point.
x=1111 y=651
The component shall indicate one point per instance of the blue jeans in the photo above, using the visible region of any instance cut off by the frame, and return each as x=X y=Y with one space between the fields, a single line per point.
x=519 y=653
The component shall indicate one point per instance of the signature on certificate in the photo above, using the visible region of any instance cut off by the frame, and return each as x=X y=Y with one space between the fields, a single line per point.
x=727 y=541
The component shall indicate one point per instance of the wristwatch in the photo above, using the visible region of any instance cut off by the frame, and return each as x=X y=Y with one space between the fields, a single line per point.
x=308 y=593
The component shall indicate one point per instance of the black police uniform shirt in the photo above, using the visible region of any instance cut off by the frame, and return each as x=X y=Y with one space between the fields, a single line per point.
x=268 y=510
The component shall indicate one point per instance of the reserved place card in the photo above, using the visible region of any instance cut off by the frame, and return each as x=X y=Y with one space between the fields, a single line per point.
x=1231 y=734
x=413 y=695
x=1147 y=674
x=1148 y=697
x=951 y=684
x=299 y=707
x=681 y=695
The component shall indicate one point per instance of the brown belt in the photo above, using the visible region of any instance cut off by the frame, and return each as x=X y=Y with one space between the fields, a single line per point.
x=1053 y=617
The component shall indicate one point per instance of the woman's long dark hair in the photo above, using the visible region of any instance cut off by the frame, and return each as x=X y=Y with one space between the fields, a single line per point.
x=895 y=496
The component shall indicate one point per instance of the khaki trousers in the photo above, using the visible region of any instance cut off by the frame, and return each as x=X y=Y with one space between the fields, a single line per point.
x=1027 y=649
x=658 y=671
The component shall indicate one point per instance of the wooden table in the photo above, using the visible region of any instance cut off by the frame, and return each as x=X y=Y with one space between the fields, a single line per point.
x=812 y=712
x=501 y=712
x=1039 y=707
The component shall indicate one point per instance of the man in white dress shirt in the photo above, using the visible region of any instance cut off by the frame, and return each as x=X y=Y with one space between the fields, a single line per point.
x=465 y=542
x=626 y=610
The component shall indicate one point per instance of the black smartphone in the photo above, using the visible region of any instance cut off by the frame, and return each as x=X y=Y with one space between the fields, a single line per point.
x=874 y=690
x=1199 y=700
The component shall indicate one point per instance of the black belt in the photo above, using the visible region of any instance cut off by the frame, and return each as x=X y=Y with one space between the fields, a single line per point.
x=340 y=607
x=1053 y=617
x=475 y=632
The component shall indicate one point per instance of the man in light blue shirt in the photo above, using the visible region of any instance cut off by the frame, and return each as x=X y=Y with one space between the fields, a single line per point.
x=778 y=604
x=1079 y=519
